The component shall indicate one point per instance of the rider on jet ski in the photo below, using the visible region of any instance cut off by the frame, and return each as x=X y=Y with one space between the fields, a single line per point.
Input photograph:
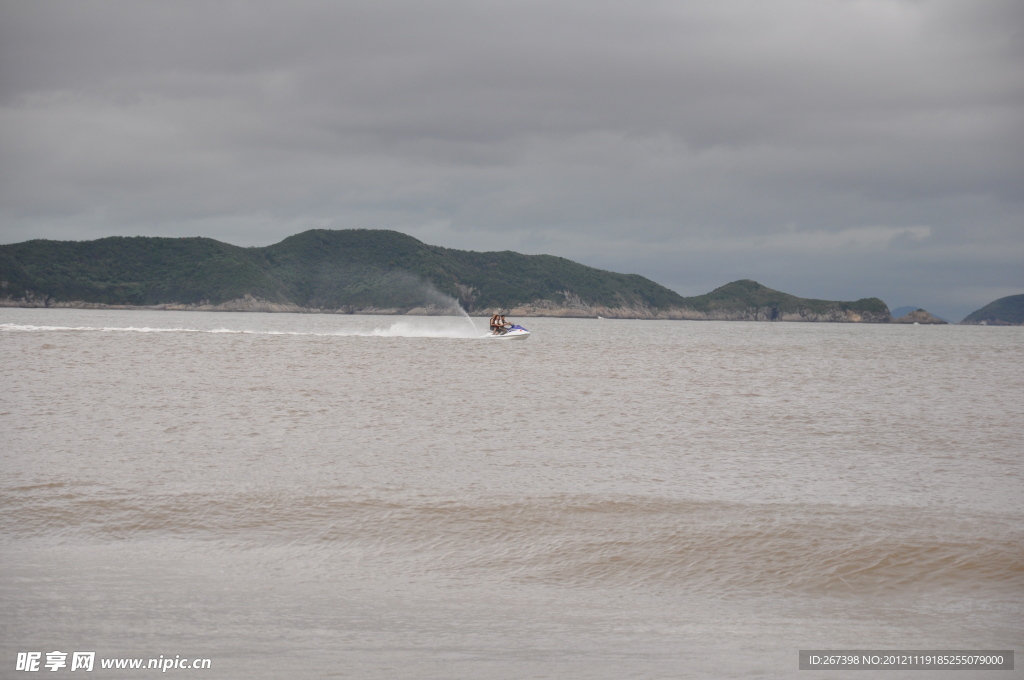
x=498 y=324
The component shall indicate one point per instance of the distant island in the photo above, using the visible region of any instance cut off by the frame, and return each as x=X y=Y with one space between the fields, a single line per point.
x=919 y=316
x=362 y=271
x=1007 y=311
x=897 y=312
x=900 y=312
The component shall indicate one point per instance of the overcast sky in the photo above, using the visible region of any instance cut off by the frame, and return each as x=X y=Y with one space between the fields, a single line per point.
x=827 y=148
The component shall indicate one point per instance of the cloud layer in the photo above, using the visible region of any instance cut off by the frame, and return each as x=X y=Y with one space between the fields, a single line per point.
x=846 y=148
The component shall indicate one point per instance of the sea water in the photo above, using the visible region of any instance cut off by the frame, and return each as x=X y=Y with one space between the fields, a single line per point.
x=391 y=497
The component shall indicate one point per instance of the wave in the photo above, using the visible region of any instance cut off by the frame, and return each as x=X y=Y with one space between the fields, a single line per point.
x=400 y=329
x=576 y=541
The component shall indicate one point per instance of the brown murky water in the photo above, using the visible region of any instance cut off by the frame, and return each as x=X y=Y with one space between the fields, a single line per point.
x=372 y=497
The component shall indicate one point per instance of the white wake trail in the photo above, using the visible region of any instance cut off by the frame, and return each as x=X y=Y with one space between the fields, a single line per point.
x=441 y=327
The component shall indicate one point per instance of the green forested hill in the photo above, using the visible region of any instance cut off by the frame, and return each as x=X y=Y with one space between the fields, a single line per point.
x=328 y=268
x=135 y=271
x=746 y=294
x=369 y=269
x=1007 y=311
x=316 y=269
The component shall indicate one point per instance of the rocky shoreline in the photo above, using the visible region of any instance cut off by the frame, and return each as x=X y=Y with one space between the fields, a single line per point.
x=583 y=311
x=243 y=304
x=539 y=308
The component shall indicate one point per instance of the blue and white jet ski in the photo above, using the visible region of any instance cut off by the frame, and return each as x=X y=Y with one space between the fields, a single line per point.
x=515 y=331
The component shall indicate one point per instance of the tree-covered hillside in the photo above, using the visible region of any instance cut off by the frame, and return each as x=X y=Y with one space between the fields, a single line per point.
x=326 y=268
x=359 y=269
x=747 y=294
x=135 y=271
x=315 y=269
x=1007 y=311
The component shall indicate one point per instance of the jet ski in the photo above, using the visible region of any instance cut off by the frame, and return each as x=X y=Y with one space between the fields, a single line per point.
x=515 y=331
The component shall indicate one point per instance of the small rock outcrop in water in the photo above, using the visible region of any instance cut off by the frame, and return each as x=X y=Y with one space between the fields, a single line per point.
x=1007 y=311
x=360 y=271
x=922 y=317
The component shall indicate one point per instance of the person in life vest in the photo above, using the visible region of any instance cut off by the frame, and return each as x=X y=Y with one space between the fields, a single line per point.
x=495 y=323
x=503 y=325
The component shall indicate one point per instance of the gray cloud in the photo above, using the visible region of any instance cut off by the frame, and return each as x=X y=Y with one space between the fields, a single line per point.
x=830 y=149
